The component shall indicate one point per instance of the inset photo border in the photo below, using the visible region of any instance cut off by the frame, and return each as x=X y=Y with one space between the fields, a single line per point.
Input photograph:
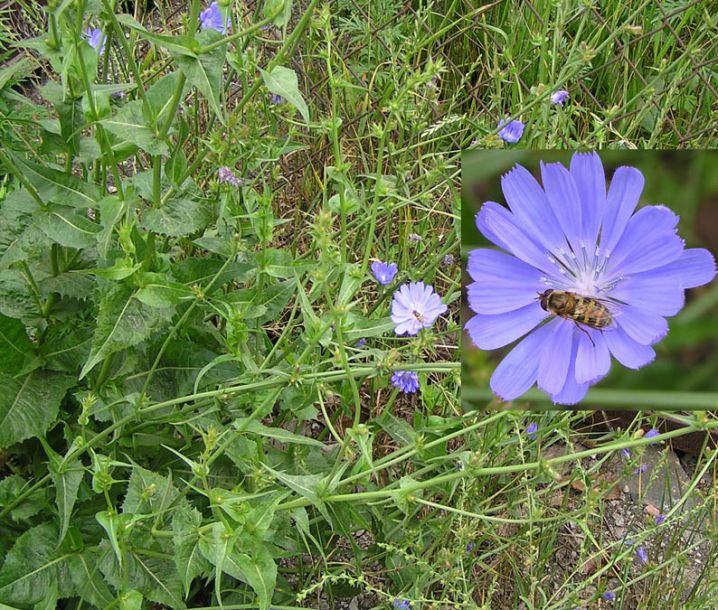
x=589 y=279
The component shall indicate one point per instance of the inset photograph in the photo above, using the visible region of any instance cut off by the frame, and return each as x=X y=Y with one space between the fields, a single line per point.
x=589 y=279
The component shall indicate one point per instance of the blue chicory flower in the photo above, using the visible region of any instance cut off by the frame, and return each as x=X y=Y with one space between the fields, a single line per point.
x=512 y=131
x=469 y=547
x=384 y=272
x=406 y=381
x=626 y=452
x=448 y=260
x=642 y=554
x=660 y=518
x=641 y=469
x=275 y=98
x=571 y=236
x=211 y=19
x=361 y=343
x=95 y=38
x=652 y=433
x=559 y=97
x=227 y=176
x=531 y=429
x=403 y=604
x=415 y=306
x=609 y=596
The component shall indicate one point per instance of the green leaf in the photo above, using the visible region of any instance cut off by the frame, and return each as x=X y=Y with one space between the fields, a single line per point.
x=179 y=217
x=284 y=436
x=31 y=567
x=148 y=492
x=129 y=124
x=29 y=404
x=15 y=347
x=160 y=95
x=158 y=290
x=16 y=297
x=155 y=578
x=52 y=184
x=182 y=45
x=364 y=327
x=72 y=121
x=15 y=216
x=260 y=572
x=189 y=560
x=112 y=209
x=123 y=321
x=67 y=226
x=205 y=71
x=283 y=81
x=309 y=486
x=281 y=8
x=67 y=478
x=70 y=284
x=111 y=523
x=132 y=600
x=16 y=71
x=11 y=487
x=87 y=578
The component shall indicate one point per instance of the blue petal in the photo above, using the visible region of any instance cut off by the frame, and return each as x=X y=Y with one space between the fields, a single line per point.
x=503 y=282
x=494 y=220
x=564 y=199
x=694 y=267
x=642 y=325
x=555 y=356
x=623 y=195
x=531 y=208
x=587 y=172
x=572 y=391
x=485 y=230
x=517 y=372
x=648 y=242
x=651 y=290
x=593 y=360
x=628 y=352
x=491 y=332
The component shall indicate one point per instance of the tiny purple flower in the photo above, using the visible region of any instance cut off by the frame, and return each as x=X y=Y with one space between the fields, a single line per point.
x=211 y=19
x=414 y=237
x=572 y=236
x=660 y=518
x=511 y=131
x=531 y=429
x=609 y=596
x=361 y=342
x=651 y=433
x=641 y=469
x=626 y=452
x=469 y=547
x=95 y=38
x=415 y=306
x=227 y=176
x=642 y=554
x=448 y=260
x=559 y=97
x=406 y=381
x=403 y=604
x=276 y=99
x=384 y=272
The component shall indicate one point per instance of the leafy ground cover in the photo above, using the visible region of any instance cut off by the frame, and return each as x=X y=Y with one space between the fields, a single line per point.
x=197 y=356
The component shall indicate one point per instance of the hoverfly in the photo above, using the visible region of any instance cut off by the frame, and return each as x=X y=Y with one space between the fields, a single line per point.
x=419 y=316
x=589 y=311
